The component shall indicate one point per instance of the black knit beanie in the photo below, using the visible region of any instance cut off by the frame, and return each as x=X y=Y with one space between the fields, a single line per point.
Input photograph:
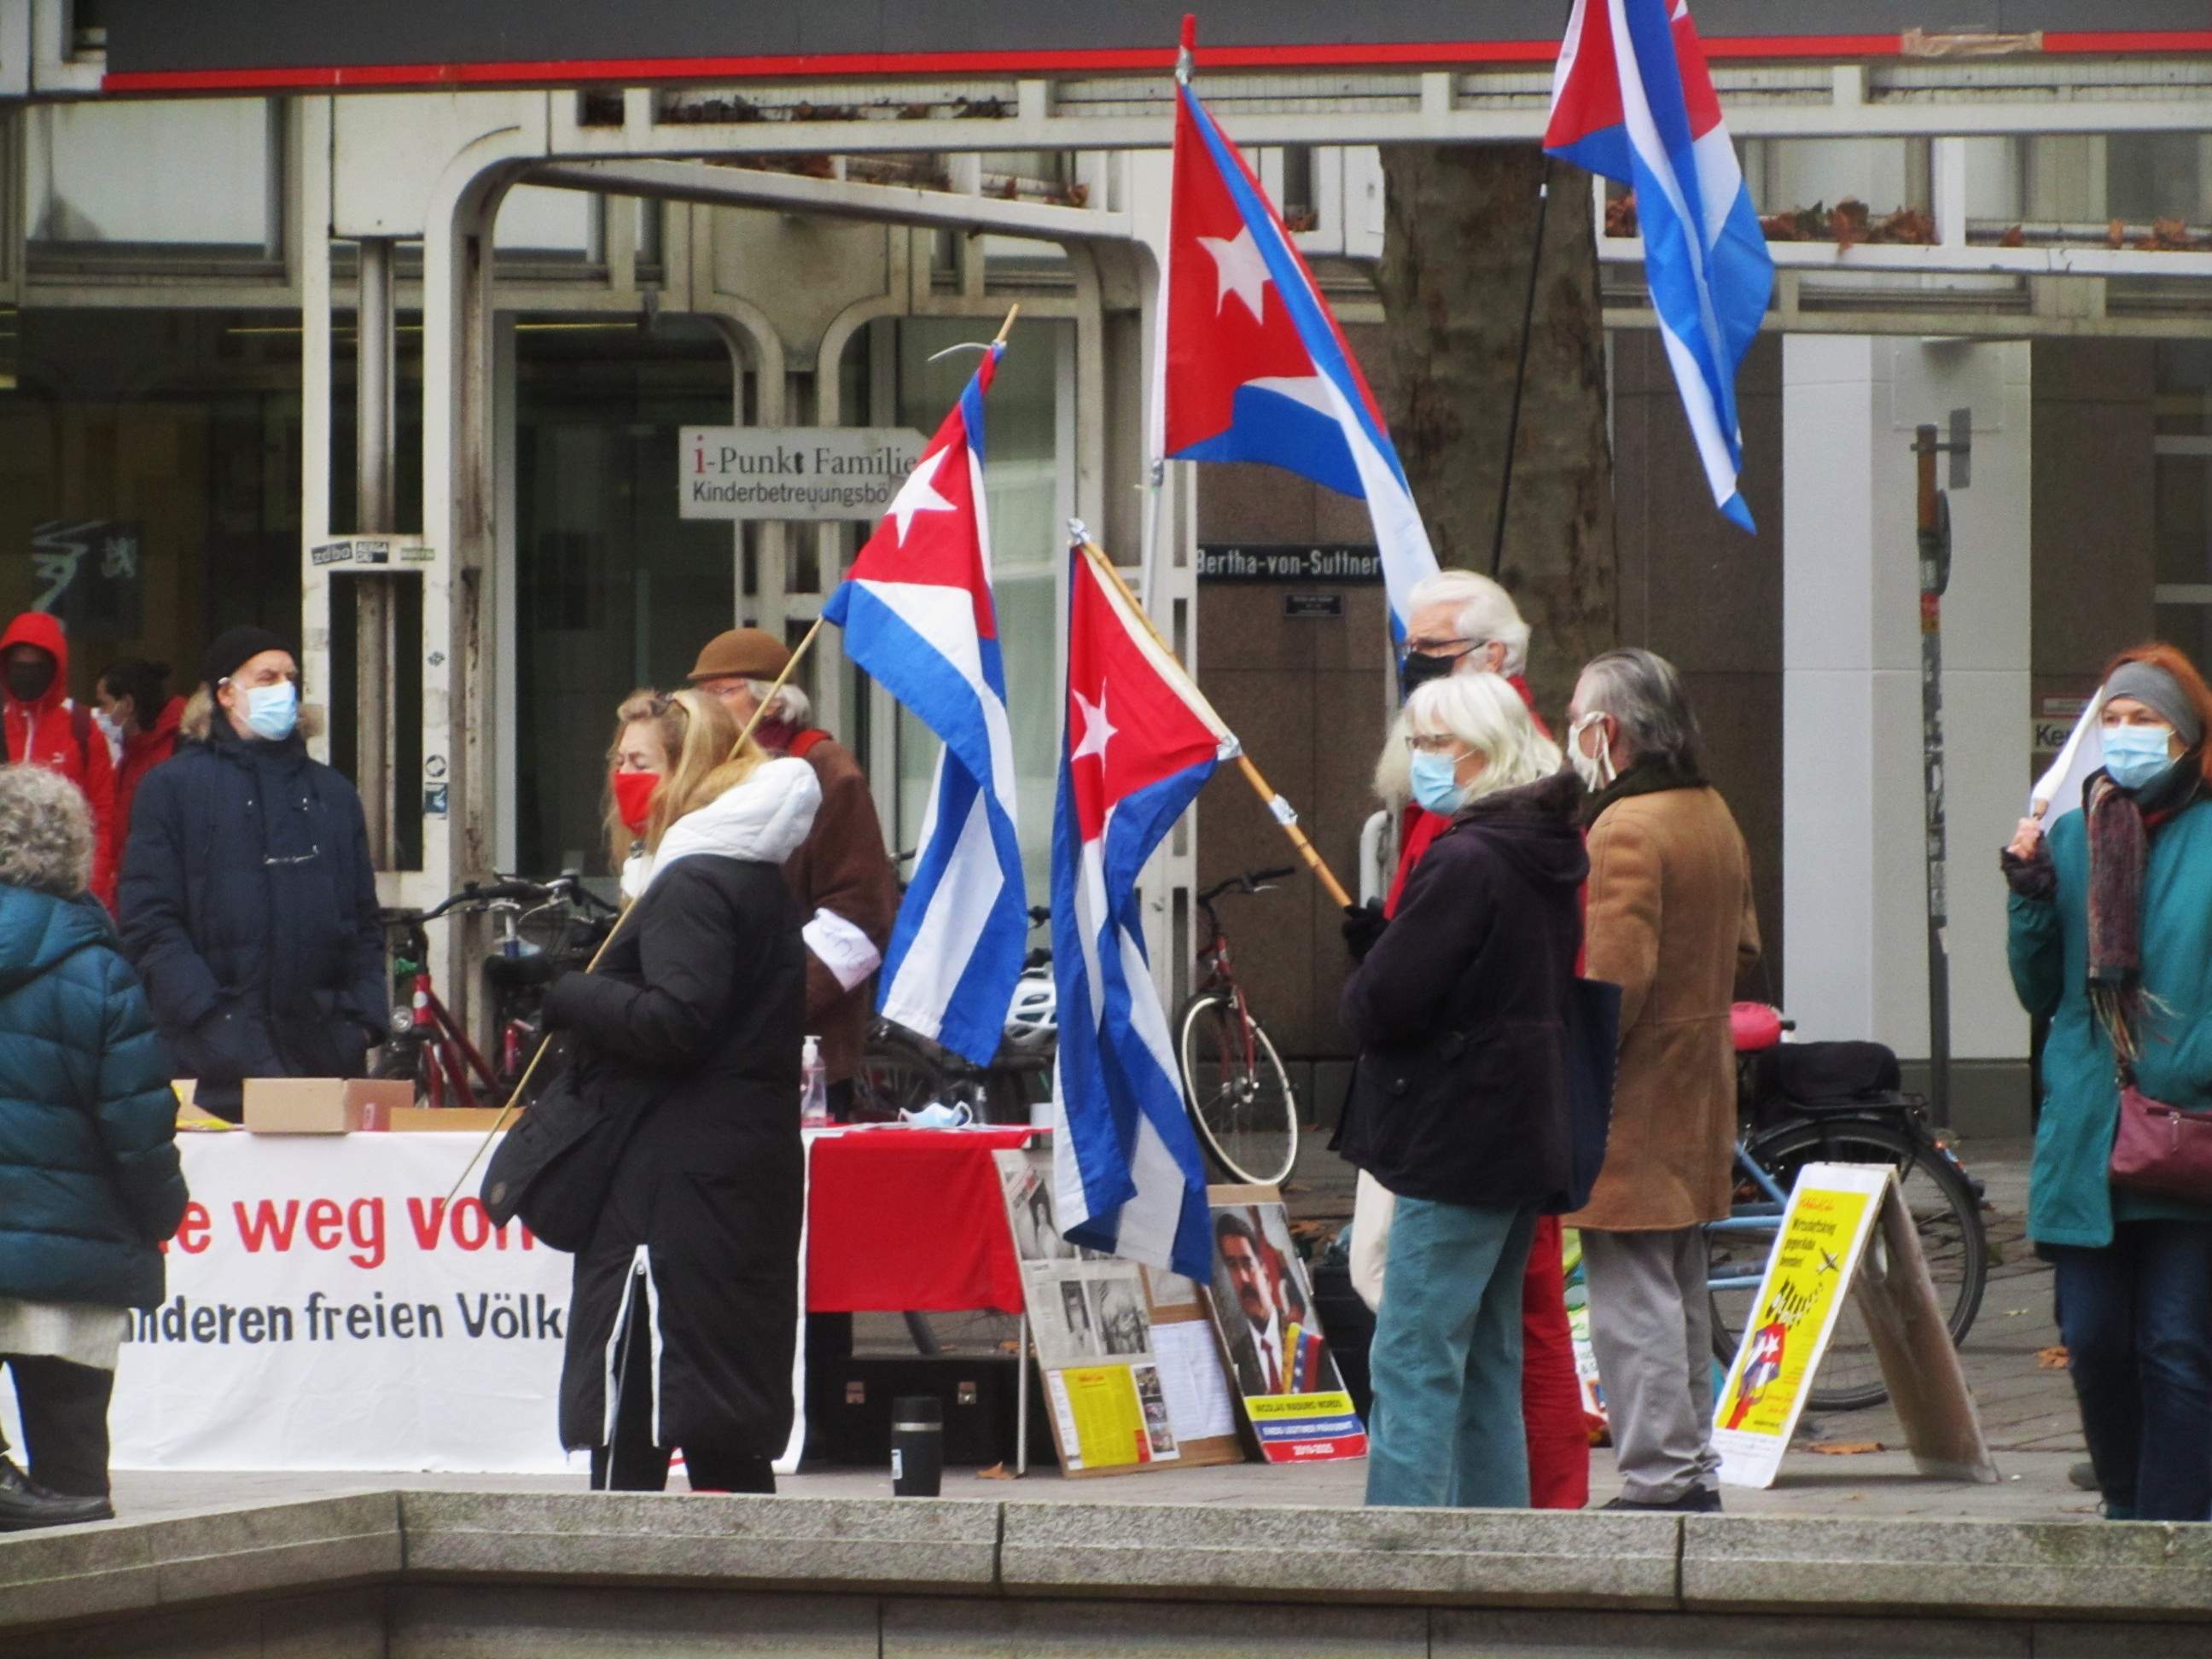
x=235 y=647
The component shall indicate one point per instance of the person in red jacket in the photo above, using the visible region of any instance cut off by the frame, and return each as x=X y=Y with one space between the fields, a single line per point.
x=1460 y=622
x=47 y=729
x=142 y=721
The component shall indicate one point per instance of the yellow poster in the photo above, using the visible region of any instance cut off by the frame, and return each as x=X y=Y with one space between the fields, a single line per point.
x=1808 y=1278
x=1102 y=1419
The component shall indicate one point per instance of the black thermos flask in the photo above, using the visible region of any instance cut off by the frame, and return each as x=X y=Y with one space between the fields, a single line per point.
x=917 y=1445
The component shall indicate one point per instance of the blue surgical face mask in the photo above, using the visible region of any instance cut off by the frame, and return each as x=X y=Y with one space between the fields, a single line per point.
x=271 y=711
x=2133 y=755
x=1436 y=784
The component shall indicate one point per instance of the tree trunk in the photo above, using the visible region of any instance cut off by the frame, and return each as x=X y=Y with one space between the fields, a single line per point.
x=1454 y=278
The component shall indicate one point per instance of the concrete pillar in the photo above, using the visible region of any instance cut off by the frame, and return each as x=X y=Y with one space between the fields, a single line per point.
x=1854 y=887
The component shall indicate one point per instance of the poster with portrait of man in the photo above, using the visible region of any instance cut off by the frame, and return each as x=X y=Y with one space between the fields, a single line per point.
x=1263 y=1308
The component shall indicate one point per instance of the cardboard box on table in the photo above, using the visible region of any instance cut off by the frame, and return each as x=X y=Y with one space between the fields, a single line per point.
x=323 y=1105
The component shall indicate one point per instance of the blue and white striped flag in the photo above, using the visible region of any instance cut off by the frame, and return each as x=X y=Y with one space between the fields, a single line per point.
x=1632 y=100
x=918 y=615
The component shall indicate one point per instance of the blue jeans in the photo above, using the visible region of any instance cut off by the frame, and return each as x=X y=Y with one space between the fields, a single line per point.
x=1446 y=1361
x=2136 y=1316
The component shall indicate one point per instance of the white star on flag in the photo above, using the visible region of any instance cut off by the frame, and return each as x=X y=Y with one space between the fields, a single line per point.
x=917 y=494
x=1097 y=732
x=1239 y=268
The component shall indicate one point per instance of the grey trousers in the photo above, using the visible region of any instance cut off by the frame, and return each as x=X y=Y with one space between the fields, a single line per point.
x=1651 y=1326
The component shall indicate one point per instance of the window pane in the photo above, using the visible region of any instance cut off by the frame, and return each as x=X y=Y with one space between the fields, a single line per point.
x=187 y=175
x=533 y=219
x=614 y=590
x=2184 y=495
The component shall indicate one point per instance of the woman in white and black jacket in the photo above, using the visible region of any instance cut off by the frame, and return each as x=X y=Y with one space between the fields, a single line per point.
x=685 y=1301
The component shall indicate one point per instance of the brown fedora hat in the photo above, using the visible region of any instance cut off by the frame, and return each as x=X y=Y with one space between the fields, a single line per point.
x=742 y=653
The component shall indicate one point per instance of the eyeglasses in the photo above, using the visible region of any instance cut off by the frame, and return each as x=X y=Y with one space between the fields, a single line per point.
x=1426 y=743
x=1424 y=647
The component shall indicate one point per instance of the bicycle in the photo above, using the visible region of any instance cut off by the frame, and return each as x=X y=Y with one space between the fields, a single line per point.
x=1878 y=1124
x=541 y=928
x=903 y=1070
x=1239 y=1096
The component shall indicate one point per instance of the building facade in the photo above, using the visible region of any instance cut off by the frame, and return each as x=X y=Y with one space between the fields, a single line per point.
x=272 y=289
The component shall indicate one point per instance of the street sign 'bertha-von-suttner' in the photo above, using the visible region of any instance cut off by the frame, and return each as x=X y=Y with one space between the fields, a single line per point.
x=793 y=472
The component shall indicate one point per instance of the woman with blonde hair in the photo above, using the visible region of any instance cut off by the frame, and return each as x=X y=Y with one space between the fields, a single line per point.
x=1459 y=1104
x=684 y=1307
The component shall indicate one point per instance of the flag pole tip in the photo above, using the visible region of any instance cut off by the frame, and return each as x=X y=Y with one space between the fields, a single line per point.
x=1012 y=312
x=1190 y=31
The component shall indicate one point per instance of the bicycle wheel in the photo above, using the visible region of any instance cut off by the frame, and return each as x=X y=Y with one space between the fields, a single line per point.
x=895 y=1077
x=1240 y=1099
x=1945 y=1213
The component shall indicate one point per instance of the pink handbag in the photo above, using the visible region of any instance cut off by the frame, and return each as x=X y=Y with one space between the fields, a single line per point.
x=2162 y=1149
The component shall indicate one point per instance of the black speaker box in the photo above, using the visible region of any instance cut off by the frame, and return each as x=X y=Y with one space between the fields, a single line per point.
x=848 y=1406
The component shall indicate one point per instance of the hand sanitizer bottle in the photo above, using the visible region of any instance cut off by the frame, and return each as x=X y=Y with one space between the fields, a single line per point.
x=813 y=1091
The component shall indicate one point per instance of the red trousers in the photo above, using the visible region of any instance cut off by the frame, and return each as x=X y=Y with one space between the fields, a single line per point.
x=1550 y=1395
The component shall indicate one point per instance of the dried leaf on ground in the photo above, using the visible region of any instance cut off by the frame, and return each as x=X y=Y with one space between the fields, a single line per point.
x=997 y=1472
x=1844 y=1448
x=2051 y=1359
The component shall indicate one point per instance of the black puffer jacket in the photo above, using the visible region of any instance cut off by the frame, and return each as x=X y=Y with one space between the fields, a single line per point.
x=249 y=905
x=698 y=1009
x=1460 y=1009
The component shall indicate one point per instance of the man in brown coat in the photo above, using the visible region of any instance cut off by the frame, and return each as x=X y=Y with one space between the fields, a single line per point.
x=1670 y=921
x=842 y=874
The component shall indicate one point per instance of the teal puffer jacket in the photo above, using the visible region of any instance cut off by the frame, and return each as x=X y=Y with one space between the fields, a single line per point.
x=2070 y=1199
x=89 y=1179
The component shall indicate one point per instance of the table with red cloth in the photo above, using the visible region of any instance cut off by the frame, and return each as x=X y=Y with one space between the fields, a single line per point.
x=910 y=1220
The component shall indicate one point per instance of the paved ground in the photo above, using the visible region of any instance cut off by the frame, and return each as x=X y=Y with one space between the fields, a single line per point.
x=2027 y=1414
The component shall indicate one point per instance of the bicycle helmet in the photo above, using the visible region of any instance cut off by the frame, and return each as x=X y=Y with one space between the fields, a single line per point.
x=1033 y=1020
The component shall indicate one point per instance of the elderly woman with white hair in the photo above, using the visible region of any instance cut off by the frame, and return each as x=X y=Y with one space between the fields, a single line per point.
x=1459 y=1103
x=89 y=1179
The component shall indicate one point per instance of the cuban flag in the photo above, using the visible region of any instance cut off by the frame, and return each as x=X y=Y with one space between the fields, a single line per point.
x=1140 y=743
x=1631 y=100
x=918 y=615
x=1253 y=367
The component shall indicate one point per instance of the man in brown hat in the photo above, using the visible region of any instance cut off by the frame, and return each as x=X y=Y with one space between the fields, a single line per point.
x=842 y=873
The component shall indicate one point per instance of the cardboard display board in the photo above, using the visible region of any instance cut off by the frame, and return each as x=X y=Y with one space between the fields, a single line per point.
x=1130 y=1371
x=1271 y=1333
x=1846 y=1231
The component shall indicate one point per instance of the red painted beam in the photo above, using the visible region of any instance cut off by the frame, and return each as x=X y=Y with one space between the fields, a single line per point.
x=1442 y=54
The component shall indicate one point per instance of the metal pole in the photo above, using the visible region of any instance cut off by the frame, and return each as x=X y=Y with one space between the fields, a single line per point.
x=1933 y=515
x=1521 y=370
x=1022 y=1395
x=376 y=663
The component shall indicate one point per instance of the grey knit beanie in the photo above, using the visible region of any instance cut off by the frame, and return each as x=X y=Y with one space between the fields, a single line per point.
x=2156 y=689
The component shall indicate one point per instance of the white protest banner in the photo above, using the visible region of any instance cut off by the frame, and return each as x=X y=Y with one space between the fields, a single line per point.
x=327 y=1310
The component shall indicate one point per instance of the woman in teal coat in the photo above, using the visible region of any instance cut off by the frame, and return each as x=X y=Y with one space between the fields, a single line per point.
x=2111 y=940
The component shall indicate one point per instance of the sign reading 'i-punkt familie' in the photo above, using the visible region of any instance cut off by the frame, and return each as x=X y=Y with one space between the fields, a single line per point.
x=793 y=472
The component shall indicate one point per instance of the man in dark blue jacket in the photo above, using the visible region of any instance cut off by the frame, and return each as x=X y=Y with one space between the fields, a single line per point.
x=248 y=901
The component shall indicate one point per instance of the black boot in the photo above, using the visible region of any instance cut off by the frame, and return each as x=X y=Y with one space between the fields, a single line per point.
x=25 y=1504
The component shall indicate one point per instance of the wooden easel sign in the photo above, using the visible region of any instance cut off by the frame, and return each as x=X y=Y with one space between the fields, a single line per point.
x=1847 y=1231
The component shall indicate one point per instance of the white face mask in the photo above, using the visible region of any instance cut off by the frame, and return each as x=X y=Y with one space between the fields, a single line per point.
x=1595 y=771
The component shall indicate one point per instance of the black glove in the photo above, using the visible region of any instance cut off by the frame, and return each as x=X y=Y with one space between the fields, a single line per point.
x=1363 y=925
x=2034 y=877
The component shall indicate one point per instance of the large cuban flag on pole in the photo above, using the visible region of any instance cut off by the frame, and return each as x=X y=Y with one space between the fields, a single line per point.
x=918 y=615
x=1141 y=742
x=1252 y=365
x=1631 y=100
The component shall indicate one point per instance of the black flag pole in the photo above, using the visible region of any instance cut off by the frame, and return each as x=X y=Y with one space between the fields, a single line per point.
x=1521 y=371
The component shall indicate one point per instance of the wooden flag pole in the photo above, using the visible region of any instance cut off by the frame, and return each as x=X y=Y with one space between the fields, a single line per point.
x=1277 y=808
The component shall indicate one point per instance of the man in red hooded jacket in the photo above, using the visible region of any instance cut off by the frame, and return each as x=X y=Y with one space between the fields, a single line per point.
x=47 y=729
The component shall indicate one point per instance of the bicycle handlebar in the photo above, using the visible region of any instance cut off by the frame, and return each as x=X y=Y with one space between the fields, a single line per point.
x=1247 y=881
x=516 y=891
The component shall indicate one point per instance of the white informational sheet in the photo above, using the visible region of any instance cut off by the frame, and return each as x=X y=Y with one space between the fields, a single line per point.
x=1200 y=1406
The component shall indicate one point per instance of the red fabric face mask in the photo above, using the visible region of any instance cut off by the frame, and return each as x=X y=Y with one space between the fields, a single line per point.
x=633 y=792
